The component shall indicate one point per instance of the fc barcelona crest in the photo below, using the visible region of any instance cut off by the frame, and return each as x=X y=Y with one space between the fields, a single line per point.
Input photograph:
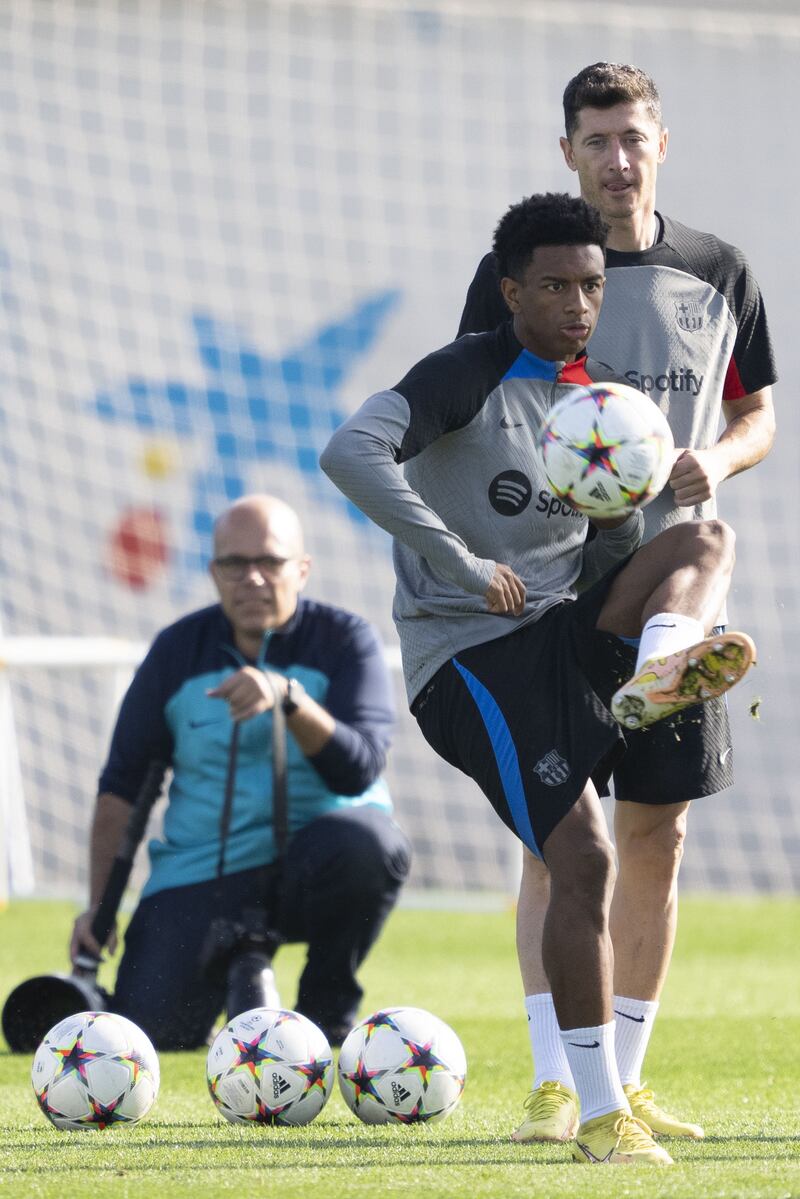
x=689 y=315
x=552 y=769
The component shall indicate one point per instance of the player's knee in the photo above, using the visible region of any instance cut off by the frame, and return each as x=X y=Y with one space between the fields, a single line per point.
x=602 y=867
x=655 y=852
x=589 y=873
x=716 y=543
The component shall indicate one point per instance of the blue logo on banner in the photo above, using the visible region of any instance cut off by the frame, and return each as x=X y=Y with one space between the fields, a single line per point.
x=252 y=408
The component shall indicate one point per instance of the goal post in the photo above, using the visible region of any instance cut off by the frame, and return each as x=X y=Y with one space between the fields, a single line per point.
x=67 y=691
x=16 y=864
x=58 y=873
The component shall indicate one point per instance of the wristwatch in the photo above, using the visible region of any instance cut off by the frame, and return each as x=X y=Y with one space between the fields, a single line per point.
x=291 y=701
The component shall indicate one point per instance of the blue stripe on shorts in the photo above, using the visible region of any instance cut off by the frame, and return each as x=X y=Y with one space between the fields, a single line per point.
x=505 y=754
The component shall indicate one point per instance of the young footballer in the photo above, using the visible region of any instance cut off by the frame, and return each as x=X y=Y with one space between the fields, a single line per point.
x=513 y=629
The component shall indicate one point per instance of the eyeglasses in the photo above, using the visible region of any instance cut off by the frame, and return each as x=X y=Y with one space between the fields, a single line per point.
x=236 y=567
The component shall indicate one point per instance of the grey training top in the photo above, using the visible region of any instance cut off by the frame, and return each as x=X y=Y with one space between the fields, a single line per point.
x=684 y=321
x=447 y=463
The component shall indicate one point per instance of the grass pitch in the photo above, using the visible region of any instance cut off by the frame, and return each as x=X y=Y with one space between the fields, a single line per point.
x=725 y=1053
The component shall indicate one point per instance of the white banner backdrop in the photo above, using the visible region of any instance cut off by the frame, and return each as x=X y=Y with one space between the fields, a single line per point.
x=224 y=225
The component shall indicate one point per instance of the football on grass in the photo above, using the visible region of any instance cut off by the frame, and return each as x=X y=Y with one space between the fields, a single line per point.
x=95 y=1069
x=402 y=1065
x=270 y=1066
x=606 y=449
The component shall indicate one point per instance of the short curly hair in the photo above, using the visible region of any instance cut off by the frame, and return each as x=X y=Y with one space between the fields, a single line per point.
x=604 y=84
x=549 y=219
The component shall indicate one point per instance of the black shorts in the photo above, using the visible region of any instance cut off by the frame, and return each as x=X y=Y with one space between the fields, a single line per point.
x=684 y=757
x=526 y=715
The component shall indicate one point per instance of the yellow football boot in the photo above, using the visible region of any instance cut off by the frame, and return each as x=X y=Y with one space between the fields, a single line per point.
x=689 y=676
x=551 y=1114
x=617 y=1139
x=661 y=1123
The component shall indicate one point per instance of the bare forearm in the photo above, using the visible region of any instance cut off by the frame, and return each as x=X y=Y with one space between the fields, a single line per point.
x=346 y=759
x=311 y=726
x=111 y=817
x=747 y=438
x=748 y=434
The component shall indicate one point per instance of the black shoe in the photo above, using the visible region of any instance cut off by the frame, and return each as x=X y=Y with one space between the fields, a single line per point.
x=335 y=1033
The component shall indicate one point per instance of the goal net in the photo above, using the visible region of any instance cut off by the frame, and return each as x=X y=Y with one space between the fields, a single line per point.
x=224 y=225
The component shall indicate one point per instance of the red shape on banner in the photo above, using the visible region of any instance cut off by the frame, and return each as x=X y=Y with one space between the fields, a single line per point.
x=138 y=547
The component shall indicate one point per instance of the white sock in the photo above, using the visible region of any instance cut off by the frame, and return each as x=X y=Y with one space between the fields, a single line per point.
x=590 y=1053
x=549 y=1059
x=665 y=633
x=634 y=1020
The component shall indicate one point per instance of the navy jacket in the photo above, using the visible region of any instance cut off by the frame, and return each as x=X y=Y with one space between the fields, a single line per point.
x=167 y=715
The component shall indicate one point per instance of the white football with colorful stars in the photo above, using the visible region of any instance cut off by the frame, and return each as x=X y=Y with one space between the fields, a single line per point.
x=270 y=1066
x=402 y=1065
x=606 y=449
x=95 y=1069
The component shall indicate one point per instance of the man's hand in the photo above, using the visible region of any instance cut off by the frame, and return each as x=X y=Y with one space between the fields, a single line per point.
x=82 y=940
x=506 y=592
x=248 y=692
x=695 y=477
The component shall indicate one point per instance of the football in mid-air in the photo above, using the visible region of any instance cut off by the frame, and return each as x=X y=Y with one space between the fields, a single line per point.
x=95 y=1069
x=606 y=449
x=402 y=1064
x=270 y=1066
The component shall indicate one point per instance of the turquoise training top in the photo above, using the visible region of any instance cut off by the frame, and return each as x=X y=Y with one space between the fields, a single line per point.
x=168 y=715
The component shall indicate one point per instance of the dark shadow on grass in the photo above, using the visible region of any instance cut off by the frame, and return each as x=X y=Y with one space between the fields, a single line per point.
x=754 y=1137
x=747 y=1159
x=273 y=1139
x=288 y=1138
x=406 y=1164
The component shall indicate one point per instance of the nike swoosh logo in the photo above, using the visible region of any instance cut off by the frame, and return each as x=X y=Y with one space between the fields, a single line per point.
x=505 y=423
x=723 y=757
x=583 y=1045
x=202 y=724
x=636 y=1019
x=587 y=1151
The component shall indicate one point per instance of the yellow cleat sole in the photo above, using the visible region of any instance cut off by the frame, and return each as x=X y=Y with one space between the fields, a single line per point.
x=690 y=676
